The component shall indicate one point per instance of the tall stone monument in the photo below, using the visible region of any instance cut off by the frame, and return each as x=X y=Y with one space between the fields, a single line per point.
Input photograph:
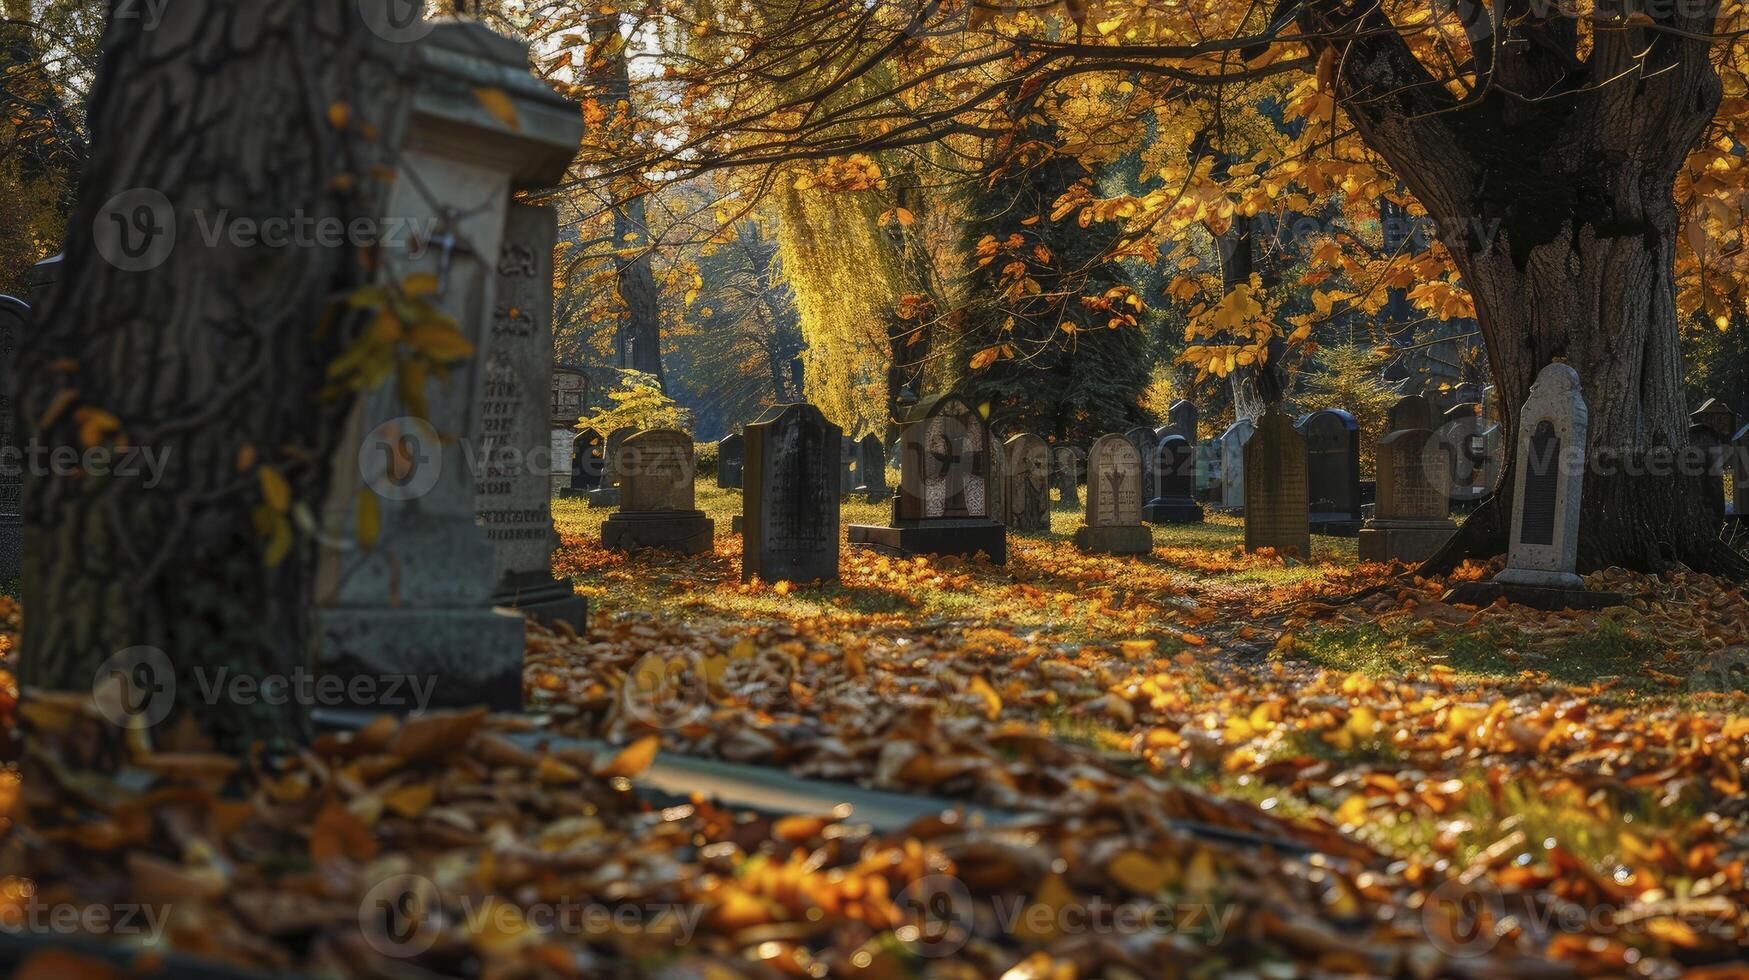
x=790 y=508
x=1277 y=503
x=1174 y=499
x=422 y=598
x=1412 y=517
x=1114 y=501
x=1027 y=462
x=658 y=506
x=1333 y=472
x=946 y=458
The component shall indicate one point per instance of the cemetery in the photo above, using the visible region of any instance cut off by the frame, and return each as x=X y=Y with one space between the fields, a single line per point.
x=776 y=506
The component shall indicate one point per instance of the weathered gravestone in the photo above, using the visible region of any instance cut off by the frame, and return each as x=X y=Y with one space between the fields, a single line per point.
x=1145 y=442
x=588 y=461
x=1182 y=418
x=1709 y=434
x=1472 y=473
x=1114 y=501
x=1066 y=474
x=1412 y=517
x=998 y=481
x=1541 y=566
x=657 y=496
x=1233 y=442
x=731 y=461
x=421 y=600
x=1208 y=467
x=789 y=512
x=849 y=463
x=1027 y=462
x=1333 y=472
x=513 y=430
x=608 y=493
x=570 y=389
x=14 y=321
x=1277 y=502
x=945 y=469
x=871 y=469
x=1174 y=484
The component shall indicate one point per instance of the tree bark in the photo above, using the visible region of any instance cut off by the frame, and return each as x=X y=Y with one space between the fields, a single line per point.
x=213 y=358
x=1559 y=212
x=640 y=334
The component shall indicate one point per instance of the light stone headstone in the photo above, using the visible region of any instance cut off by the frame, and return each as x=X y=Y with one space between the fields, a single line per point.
x=1208 y=466
x=790 y=509
x=1114 y=500
x=731 y=462
x=1233 y=443
x=421 y=600
x=1552 y=442
x=658 y=506
x=1277 y=502
x=1027 y=464
x=514 y=489
x=946 y=471
x=1412 y=516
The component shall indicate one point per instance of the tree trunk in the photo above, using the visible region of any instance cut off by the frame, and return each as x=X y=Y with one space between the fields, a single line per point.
x=210 y=356
x=1560 y=215
x=640 y=334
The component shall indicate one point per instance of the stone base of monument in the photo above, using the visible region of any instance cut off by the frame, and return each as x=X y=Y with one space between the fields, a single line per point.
x=1410 y=542
x=686 y=531
x=603 y=498
x=468 y=656
x=1172 y=510
x=1547 y=598
x=1336 y=525
x=1132 y=540
x=542 y=597
x=937 y=537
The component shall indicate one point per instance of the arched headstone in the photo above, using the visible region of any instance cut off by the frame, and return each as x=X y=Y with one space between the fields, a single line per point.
x=1114 y=501
x=946 y=459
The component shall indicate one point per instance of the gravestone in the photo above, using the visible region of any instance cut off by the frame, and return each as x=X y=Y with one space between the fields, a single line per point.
x=513 y=430
x=943 y=504
x=871 y=469
x=1208 y=467
x=1114 y=501
x=588 y=460
x=1066 y=474
x=1412 y=517
x=789 y=512
x=1277 y=501
x=14 y=321
x=421 y=600
x=1710 y=430
x=731 y=462
x=608 y=493
x=1739 y=465
x=998 y=482
x=1233 y=443
x=849 y=462
x=1027 y=460
x=1333 y=472
x=1461 y=427
x=1145 y=442
x=570 y=400
x=1174 y=484
x=1182 y=418
x=1542 y=563
x=657 y=496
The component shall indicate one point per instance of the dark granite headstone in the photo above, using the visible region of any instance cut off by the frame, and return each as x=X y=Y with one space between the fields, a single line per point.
x=588 y=460
x=789 y=512
x=945 y=472
x=1182 y=418
x=730 y=462
x=1277 y=503
x=1739 y=468
x=1145 y=442
x=1412 y=516
x=1710 y=431
x=871 y=469
x=1174 y=484
x=1066 y=475
x=1333 y=472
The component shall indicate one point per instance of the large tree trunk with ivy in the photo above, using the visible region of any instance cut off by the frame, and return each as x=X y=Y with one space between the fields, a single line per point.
x=213 y=357
x=1579 y=184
